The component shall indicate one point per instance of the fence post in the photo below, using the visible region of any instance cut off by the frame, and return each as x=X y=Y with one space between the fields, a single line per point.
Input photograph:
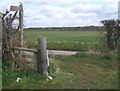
x=0 y=38
x=21 y=25
x=0 y=53
x=42 y=61
x=119 y=10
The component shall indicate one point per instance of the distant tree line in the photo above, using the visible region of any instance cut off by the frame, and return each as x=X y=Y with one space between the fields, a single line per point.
x=85 y=28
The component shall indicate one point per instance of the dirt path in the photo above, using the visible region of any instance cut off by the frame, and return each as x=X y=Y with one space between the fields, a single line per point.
x=60 y=52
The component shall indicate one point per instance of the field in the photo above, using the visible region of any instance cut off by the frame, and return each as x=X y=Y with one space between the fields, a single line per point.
x=80 y=71
x=66 y=40
x=71 y=36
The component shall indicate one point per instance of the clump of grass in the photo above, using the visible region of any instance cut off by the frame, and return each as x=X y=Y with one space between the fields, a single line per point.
x=80 y=55
x=109 y=56
x=10 y=76
x=30 y=76
x=107 y=60
x=52 y=68
x=105 y=56
x=85 y=55
x=5 y=64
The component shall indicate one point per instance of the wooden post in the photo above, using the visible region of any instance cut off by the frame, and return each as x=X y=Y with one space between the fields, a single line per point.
x=42 y=62
x=119 y=10
x=0 y=53
x=21 y=25
x=35 y=61
x=0 y=38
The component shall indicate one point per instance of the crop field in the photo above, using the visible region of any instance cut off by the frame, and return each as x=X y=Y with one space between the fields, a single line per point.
x=81 y=36
x=66 y=40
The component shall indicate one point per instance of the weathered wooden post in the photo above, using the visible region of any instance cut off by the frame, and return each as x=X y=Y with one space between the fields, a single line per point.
x=21 y=25
x=119 y=10
x=0 y=53
x=0 y=38
x=20 y=9
x=42 y=61
x=119 y=32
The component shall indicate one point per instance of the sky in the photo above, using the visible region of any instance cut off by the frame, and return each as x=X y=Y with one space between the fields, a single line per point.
x=64 y=13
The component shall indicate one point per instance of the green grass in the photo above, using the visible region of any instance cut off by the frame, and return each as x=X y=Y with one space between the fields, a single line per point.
x=81 y=36
x=65 y=40
x=80 y=71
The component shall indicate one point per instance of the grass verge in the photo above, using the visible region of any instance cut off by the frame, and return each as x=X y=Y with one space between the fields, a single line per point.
x=80 y=71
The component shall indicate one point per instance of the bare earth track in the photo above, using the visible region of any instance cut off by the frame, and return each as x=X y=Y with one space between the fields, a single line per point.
x=60 y=52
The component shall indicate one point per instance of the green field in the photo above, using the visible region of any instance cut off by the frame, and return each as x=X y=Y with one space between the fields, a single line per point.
x=65 y=40
x=79 y=36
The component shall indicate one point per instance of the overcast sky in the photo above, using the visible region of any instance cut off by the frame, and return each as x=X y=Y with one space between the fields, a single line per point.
x=65 y=13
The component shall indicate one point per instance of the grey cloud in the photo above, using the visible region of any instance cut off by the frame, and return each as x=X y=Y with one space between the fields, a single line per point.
x=76 y=15
x=46 y=12
x=101 y=11
x=85 y=8
x=35 y=3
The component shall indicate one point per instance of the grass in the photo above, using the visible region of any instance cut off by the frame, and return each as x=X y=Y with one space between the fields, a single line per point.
x=81 y=36
x=72 y=46
x=80 y=71
x=66 y=40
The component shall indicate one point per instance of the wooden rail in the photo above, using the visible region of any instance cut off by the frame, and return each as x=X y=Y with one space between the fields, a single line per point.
x=25 y=49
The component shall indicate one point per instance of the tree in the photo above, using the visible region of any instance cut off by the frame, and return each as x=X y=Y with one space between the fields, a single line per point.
x=113 y=32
